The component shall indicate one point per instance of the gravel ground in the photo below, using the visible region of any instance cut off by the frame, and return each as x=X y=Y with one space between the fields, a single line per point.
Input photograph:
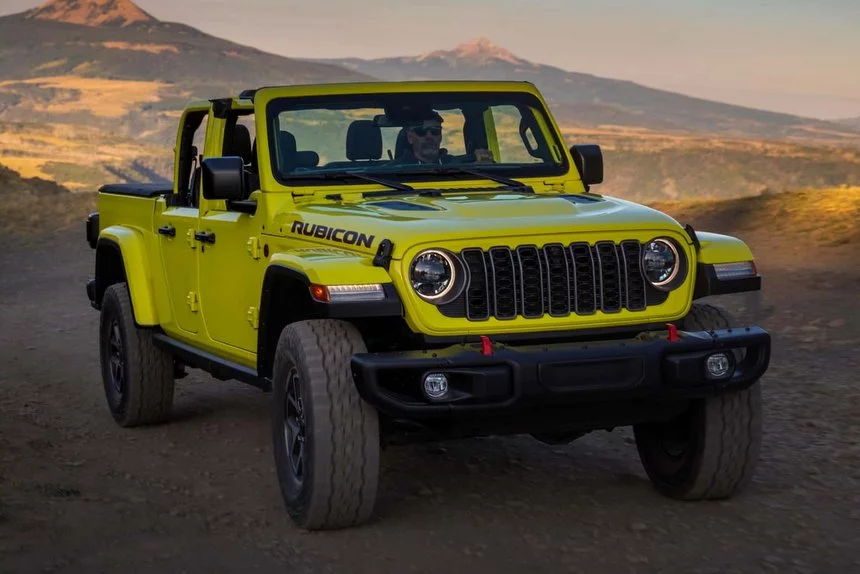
x=79 y=494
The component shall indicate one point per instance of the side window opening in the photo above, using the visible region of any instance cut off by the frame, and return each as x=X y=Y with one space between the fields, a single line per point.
x=191 y=145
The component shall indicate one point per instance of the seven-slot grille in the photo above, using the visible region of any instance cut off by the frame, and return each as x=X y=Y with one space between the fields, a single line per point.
x=554 y=279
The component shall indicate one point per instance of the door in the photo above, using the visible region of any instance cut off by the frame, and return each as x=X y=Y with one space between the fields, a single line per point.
x=231 y=263
x=176 y=227
x=231 y=271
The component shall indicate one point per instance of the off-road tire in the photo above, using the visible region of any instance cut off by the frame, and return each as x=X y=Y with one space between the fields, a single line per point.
x=340 y=469
x=139 y=387
x=719 y=437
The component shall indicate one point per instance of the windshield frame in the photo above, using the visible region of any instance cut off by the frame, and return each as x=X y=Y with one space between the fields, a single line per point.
x=406 y=173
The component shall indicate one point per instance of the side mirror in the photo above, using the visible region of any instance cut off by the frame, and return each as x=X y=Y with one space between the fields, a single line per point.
x=589 y=162
x=223 y=178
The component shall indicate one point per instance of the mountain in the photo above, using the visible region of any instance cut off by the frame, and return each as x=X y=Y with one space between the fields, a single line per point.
x=91 y=12
x=90 y=89
x=586 y=100
x=116 y=39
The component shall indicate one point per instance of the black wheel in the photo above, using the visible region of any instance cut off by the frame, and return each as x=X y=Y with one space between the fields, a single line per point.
x=325 y=437
x=710 y=451
x=137 y=375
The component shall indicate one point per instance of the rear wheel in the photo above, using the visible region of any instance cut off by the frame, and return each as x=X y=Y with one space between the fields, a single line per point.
x=137 y=376
x=325 y=437
x=710 y=451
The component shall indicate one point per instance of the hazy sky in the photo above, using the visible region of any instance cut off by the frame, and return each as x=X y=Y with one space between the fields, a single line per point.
x=795 y=56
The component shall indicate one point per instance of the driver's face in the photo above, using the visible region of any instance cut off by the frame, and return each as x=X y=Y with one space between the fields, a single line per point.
x=425 y=140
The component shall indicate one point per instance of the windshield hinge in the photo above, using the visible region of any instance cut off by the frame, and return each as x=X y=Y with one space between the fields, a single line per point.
x=383 y=254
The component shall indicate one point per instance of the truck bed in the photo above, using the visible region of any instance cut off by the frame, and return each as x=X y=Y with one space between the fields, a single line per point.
x=138 y=189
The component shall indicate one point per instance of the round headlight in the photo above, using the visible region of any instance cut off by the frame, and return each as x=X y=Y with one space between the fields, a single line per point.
x=432 y=274
x=660 y=262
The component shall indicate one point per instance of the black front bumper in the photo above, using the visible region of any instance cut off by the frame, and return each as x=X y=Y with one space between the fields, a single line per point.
x=512 y=378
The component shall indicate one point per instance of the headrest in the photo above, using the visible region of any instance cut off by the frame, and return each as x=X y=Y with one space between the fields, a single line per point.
x=307 y=158
x=239 y=144
x=286 y=150
x=401 y=144
x=363 y=140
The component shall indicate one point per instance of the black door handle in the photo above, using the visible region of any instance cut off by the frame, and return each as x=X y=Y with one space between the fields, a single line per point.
x=205 y=236
x=167 y=230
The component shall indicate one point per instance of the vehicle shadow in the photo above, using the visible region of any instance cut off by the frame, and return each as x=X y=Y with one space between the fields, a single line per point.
x=511 y=474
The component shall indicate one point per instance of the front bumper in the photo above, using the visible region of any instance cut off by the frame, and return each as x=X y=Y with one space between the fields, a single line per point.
x=509 y=379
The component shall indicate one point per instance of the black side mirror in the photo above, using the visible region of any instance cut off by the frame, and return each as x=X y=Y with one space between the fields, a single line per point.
x=589 y=162
x=223 y=178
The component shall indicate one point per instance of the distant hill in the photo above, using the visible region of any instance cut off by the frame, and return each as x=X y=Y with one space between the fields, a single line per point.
x=11 y=182
x=36 y=205
x=585 y=100
x=851 y=122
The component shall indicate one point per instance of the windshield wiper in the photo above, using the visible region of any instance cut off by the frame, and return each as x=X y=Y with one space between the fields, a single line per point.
x=497 y=178
x=347 y=174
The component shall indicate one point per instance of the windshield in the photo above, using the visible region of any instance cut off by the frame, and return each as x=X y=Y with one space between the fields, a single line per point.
x=406 y=136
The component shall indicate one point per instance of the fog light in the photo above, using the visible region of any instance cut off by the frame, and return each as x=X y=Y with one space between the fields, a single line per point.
x=435 y=385
x=719 y=365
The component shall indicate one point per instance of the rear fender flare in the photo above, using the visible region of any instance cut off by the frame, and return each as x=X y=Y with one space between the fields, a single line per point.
x=130 y=246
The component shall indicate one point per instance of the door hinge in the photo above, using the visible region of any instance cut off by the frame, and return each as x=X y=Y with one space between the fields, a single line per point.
x=191 y=299
x=189 y=237
x=253 y=317
x=254 y=247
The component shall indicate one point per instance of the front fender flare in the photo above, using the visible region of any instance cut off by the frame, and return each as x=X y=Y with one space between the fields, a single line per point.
x=286 y=294
x=716 y=248
x=130 y=245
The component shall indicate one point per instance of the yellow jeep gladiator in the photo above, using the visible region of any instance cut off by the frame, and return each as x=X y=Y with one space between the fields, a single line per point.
x=404 y=261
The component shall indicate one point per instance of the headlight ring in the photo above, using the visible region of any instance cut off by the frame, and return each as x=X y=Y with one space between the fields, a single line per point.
x=437 y=276
x=663 y=264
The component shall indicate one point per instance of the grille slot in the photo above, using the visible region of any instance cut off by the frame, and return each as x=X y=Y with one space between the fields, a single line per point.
x=477 y=295
x=610 y=277
x=554 y=280
x=558 y=280
x=504 y=286
x=530 y=282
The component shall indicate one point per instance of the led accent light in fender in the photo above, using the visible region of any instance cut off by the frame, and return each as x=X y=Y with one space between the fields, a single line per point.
x=347 y=293
x=740 y=270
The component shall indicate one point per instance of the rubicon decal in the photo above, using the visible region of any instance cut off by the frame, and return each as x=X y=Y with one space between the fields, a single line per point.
x=332 y=234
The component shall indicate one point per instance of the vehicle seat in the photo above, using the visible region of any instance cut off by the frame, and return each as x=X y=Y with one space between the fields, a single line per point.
x=363 y=141
x=239 y=144
x=401 y=143
x=286 y=152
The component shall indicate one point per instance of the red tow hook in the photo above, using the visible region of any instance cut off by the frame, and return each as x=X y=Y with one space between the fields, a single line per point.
x=486 y=346
x=673 y=333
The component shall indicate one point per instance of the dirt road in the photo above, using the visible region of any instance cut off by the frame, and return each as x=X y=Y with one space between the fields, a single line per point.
x=78 y=494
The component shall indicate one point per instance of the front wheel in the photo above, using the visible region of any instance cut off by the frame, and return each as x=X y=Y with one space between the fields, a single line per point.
x=325 y=436
x=710 y=451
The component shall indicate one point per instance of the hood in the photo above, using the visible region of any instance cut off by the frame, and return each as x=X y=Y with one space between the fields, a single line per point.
x=409 y=220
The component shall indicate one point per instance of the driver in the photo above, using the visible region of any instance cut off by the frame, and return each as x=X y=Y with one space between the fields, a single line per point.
x=424 y=139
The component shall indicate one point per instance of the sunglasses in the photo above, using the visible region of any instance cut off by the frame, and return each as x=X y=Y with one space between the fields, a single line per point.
x=424 y=130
